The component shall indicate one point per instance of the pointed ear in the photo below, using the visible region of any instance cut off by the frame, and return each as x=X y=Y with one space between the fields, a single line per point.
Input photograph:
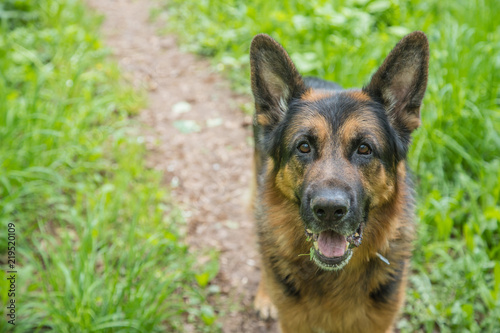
x=400 y=83
x=275 y=81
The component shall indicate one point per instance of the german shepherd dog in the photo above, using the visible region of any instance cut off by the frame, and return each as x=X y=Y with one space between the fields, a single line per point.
x=334 y=203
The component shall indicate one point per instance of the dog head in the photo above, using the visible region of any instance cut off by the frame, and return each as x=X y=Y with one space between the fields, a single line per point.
x=335 y=153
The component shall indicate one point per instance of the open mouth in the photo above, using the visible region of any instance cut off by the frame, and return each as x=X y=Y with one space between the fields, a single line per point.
x=331 y=250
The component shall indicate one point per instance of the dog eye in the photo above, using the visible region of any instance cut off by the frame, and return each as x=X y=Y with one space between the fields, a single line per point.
x=304 y=147
x=364 y=149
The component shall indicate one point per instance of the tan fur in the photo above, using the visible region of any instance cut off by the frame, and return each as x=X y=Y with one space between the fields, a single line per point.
x=319 y=125
x=312 y=95
x=359 y=95
x=361 y=123
x=263 y=120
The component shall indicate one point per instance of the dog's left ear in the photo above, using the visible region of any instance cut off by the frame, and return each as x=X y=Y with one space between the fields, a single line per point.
x=400 y=83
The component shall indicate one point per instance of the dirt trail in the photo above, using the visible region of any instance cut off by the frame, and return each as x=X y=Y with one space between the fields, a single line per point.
x=209 y=166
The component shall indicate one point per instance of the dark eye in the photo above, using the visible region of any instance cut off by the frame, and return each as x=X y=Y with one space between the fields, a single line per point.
x=364 y=149
x=304 y=147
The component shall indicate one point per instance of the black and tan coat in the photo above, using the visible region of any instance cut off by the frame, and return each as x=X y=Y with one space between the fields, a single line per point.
x=332 y=184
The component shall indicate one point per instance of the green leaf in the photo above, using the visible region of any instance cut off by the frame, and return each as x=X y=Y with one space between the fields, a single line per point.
x=207 y=314
x=203 y=279
x=469 y=237
x=496 y=274
x=468 y=309
x=378 y=6
x=4 y=287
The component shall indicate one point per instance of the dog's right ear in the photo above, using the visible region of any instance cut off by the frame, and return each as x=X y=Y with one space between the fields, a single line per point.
x=275 y=80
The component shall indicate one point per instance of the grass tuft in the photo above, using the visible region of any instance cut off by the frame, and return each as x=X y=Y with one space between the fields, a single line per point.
x=97 y=240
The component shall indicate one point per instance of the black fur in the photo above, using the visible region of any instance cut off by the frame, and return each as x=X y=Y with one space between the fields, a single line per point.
x=286 y=281
x=317 y=83
x=386 y=292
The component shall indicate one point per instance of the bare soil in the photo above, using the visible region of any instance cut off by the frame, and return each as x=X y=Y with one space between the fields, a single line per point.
x=199 y=138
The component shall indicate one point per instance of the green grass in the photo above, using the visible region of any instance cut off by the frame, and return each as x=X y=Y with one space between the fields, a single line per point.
x=98 y=246
x=455 y=286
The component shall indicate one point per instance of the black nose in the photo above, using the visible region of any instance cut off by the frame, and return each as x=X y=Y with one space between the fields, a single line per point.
x=330 y=205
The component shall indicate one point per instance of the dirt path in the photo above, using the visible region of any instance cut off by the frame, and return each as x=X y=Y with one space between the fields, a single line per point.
x=198 y=137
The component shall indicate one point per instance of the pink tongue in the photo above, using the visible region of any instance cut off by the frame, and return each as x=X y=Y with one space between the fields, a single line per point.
x=331 y=244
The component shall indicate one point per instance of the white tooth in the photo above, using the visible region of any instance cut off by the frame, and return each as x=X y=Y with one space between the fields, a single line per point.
x=315 y=245
x=346 y=245
x=309 y=231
